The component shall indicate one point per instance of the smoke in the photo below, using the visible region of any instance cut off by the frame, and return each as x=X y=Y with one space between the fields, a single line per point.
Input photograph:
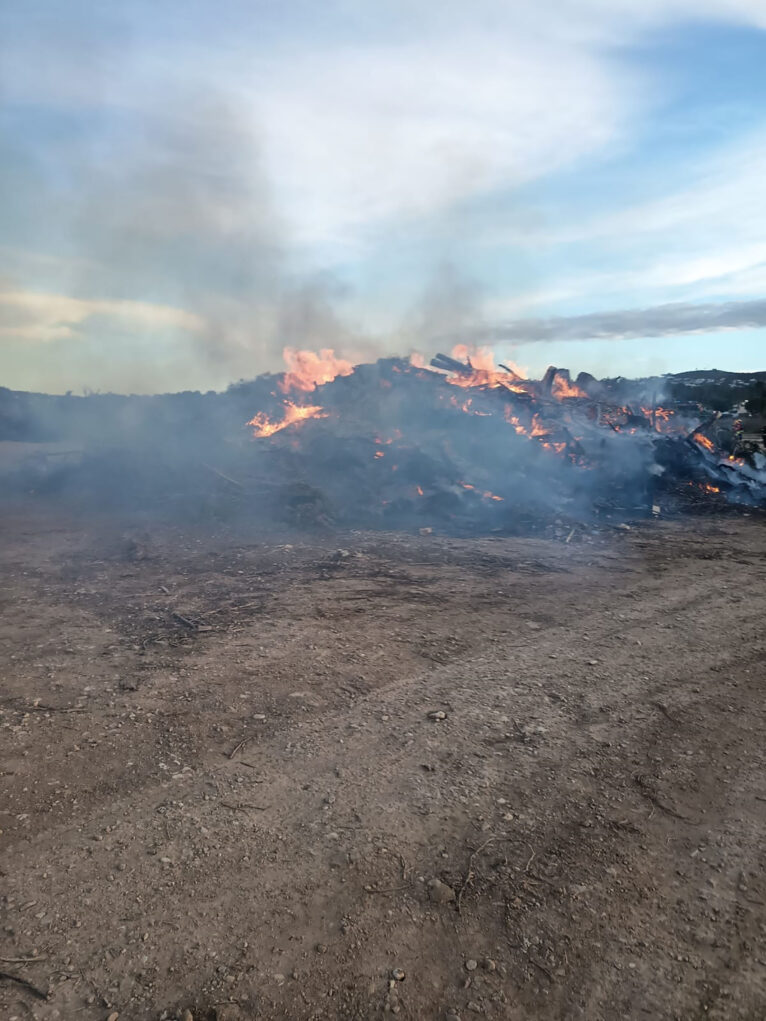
x=174 y=269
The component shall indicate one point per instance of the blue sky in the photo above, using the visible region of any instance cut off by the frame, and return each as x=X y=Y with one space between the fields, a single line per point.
x=187 y=188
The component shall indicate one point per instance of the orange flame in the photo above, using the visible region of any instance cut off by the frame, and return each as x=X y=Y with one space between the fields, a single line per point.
x=308 y=369
x=263 y=426
x=662 y=419
x=704 y=442
x=538 y=429
x=513 y=420
x=482 y=361
x=486 y=494
x=562 y=388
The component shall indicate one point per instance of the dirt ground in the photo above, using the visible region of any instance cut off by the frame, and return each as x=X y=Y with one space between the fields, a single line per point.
x=360 y=774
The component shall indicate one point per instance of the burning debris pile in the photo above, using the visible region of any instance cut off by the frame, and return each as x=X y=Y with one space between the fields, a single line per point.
x=465 y=444
x=461 y=445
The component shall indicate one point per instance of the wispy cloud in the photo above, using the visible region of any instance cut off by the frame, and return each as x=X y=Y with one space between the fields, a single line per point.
x=40 y=318
x=624 y=324
x=193 y=180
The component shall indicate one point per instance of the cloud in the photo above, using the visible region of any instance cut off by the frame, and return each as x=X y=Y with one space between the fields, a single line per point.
x=366 y=115
x=625 y=324
x=727 y=271
x=401 y=132
x=39 y=318
x=207 y=168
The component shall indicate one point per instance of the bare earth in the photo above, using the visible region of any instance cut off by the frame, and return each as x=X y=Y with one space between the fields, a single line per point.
x=245 y=818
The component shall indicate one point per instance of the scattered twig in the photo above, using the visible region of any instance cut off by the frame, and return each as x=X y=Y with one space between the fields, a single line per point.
x=403 y=863
x=470 y=874
x=230 y=606
x=541 y=879
x=6 y=976
x=391 y=889
x=243 y=807
x=190 y=624
x=22 y=960
x=542 y=967
x=39 y=708
x=649 y=794
x=221 y=475
x=238 y=747
x=666 y=714
x=531 y=858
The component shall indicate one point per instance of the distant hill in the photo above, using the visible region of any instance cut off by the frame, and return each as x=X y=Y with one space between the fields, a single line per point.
x=716 y=376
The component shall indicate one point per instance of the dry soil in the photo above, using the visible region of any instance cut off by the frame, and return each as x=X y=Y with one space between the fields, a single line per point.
x=353 y=775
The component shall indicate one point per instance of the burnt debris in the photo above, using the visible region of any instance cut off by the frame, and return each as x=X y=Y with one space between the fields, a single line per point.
x=462 y=446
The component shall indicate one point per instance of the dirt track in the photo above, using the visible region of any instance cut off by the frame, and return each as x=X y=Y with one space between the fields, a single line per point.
x=244 y=818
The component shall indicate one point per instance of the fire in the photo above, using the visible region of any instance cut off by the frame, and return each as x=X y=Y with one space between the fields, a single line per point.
x=711 y=489
x=466 y=406
x=486 y=494
x=482 y=361
x=563 y=387
x=538 y=429
x=662 y=420
x=535 y=430
x=704 y=442
x=513 y=420
x=417 y=361
x=294 y=414
x=306 y=370
x=420 y=490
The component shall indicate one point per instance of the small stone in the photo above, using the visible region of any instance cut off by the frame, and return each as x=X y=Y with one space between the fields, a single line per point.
x=320 y=948
x=279 y=979
x=437 y=714
x=398 y=974
x=113 y=1016
x=471 y=965
x=592 y=662
x=533 y=625
x=451 y=1016
x=489 y=964
x=439 y=892
x=187 y=1015
x=474 y=1006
